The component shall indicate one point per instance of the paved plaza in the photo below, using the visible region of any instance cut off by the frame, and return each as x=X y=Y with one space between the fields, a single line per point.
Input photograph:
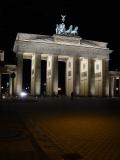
x=60 y=128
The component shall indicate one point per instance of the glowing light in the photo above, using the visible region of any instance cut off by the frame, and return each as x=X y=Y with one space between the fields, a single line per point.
x=117 y=89
x=59 y=89
x=3 y=97
x=23 y=94
x=2 y=87
x=27 y=88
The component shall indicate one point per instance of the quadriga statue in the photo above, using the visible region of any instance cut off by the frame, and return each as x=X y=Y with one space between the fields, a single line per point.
x=68 y=32
x=75 y=31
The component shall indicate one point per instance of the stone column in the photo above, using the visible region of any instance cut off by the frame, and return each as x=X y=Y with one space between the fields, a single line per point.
x=36 y=74
x=101 y=78
x=105 y=78
x=79 y=76
x=10 y=83
x=69 y=76
x=52 y=75
x=49 y=76
x=119 y=85
x=55 y=75
x=19 y=73
x=86 y=77
x=73 y=76
x=76 y=76
x=91 y=77
x=112 y=86
x=0 y=84
x=15 y=83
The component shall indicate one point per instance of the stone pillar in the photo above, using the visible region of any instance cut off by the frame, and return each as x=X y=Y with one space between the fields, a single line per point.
x=15 y=83
x=52 y=75
x=0 y=84
x=119 y=85
x=10 y=85
x=19 y=73
x=84 y=77
x=98 y=78
x=91 y=77
x=76 y=76
x=73 y=76
x=105 y=77
x=55 y=75
x=49 y=76
x=36 y=74
x=112 y=86
x=69 y=76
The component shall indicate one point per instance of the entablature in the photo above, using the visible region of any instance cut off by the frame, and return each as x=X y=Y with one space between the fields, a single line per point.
x=60 y=49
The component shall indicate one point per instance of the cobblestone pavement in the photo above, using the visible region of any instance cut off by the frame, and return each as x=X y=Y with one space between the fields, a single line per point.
x=16 y=142
x=92 y=137
x=85 y=127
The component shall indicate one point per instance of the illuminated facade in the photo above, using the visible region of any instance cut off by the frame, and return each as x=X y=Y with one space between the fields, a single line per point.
x=87 y=70
x=86 y=62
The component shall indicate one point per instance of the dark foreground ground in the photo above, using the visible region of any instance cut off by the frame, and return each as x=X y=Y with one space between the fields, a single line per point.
x=60 y=129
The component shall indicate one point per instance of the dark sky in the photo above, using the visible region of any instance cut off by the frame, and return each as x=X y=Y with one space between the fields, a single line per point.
x=97 y=20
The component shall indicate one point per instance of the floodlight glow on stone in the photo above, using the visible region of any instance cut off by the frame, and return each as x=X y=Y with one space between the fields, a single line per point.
x=23 y=94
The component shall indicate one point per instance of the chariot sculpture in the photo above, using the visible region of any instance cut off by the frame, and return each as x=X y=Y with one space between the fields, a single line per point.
x=61 y=30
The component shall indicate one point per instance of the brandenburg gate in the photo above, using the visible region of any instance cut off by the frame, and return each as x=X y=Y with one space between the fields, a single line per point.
x=87 y=62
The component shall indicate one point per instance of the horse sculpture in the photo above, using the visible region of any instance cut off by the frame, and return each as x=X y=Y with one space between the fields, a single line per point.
x=75 y=31
x=69 y=30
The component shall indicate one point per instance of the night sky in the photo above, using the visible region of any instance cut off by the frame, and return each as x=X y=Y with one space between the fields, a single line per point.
x=96 y=20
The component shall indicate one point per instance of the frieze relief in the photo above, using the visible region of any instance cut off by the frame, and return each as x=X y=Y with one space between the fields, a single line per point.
x=59 y=49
